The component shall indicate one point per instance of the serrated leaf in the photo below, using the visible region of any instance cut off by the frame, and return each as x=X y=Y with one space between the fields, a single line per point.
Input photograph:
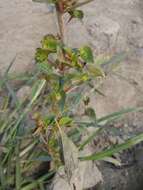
x=86 y=54
x=50 y=43
x=41 y=55
x=65 y=121
x=76 y=14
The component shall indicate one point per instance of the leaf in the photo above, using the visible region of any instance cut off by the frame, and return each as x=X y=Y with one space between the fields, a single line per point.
x=65 y=121
x=76 y=14
x=62 y=100
x=113 y=161
x=42 y=179
x=116 y=115
x=49 y=120
x=18 y=167
x=41 y=55
x=42 y=159
x=36 y=90
x=95 y=71
x=117 y=148
x=90 y=138
x=86 y=100
x=86 y=54
x=50 y=43
x=90 y=113
x=44 y=67
x=99 y=92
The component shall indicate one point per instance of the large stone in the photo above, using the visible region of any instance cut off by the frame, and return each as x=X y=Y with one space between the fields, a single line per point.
x=76 y=174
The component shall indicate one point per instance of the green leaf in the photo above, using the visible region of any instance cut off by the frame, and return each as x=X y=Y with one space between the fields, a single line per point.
x=44 y=67
x=113 y=161
x=42 y=159
x=50 y=43
x=62 y=100
x=86 y=54
x=116 y=115
x=41 y=55
x=76 y=14
x=42 y=179
x=18 y=168
x=65 y=121
x=49 y=120
x=90 y=113
x=90 y=138
x=86 y=100
x=109 y=152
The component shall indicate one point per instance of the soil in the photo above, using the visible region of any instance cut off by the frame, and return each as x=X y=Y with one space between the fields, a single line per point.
x=128 y=176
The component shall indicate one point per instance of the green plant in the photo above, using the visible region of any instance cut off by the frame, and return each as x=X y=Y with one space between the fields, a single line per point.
x=70 y=73
x=67 y=70
x=63 y=79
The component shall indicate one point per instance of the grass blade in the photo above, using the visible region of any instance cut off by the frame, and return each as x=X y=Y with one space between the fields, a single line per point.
x=117 y=115
x=2 y=177
x=36 y=183
x=109 y=152
x=18 y=172
x=89 y=139
x=36 y=91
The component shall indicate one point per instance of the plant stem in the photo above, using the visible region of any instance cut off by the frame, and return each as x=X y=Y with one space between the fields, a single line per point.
x=60 y=23
x=61 y=31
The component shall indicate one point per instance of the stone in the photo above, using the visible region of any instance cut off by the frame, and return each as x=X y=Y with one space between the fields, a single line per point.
x=105 y=31
x=76 y=174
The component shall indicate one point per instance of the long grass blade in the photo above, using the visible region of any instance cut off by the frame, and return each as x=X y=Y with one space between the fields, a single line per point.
x=2 y=177
x=90 y=138
x=118 y=148
x=36 y=183
x=36 y=92
x=117 y=115
x=18 y=172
